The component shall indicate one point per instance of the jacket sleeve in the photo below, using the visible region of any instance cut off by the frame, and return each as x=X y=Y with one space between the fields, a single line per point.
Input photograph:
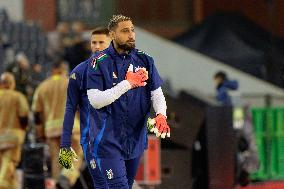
x=99 y=99
x=231 y=84
x=73 y=96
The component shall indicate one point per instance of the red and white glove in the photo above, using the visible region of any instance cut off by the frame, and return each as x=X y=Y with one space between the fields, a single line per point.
x=136 y=79
x=161 y=126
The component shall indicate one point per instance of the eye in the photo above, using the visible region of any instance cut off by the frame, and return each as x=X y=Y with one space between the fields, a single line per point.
x=125 y=30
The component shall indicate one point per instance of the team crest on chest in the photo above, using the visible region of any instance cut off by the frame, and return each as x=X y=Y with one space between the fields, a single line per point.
x=93 y=164
x=138 y=68
x=109 y=174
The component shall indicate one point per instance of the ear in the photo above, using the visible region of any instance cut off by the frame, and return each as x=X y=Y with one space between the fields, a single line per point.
x=112 y=35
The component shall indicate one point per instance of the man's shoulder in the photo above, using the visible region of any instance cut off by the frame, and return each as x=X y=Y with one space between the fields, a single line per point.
x=80 y=67
x=10 y=95
x=102 y=56
x=51 y=81
x=20 y=96
x=145 y=57
x=143 y=53
x=100 y=59
x=13 y=94
x=43 y=84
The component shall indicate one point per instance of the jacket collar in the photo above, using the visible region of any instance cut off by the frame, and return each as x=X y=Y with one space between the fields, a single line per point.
x=114 y=53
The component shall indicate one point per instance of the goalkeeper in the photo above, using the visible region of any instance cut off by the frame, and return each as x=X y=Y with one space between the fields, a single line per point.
x=122 y=82
x=77 y=98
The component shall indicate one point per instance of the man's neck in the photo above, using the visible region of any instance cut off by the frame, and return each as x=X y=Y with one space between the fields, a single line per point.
x=118 y=50
x=58 y=73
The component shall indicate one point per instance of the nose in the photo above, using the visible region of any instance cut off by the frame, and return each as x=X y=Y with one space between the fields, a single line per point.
x=132 y=35
x=97 y=46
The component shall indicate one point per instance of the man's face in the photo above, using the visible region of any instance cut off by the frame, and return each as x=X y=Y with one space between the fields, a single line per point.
x=99 y=42
x=217 y=81
x=124 y=35
x=7 y=81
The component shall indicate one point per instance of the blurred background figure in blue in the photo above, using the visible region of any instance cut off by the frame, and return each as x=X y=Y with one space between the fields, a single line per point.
x=223 y=86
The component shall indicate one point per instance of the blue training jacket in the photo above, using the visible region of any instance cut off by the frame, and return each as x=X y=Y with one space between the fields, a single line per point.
x=222 y=91
x=119 y=129
x=76 y=98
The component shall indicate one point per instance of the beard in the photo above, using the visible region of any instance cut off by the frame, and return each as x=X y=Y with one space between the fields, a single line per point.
x=126 y=46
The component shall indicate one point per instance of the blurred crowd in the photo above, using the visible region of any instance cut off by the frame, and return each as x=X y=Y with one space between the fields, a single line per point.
x=33 y=63
x=28 y=53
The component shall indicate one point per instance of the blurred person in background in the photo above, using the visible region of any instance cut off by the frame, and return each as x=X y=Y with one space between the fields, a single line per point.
x=21 y=70
x=80 y=49
x=59 y=40
x=223 y=85
x=121 y=102
x=77 y=29
x=14 y=110
x=49 y=107
x=36 y=75
x=78 y=53
x=5 y=49
x=77 y=99
x=247 y=154
x=100 y=39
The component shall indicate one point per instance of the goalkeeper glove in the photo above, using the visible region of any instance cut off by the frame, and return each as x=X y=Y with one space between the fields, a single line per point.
x=159 y=126
x=66 y=157
x=136 y=79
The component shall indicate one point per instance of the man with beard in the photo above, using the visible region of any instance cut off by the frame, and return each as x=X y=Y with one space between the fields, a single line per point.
x=122 y=81
x=77 y=99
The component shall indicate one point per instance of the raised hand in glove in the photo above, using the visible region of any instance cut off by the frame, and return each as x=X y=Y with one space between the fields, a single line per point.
x=136 y=79
x=159 y=126
x=66 y=157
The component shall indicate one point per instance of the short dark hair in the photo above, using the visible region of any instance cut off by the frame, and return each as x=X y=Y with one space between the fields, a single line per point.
x=116 y=19
x=220 y=74
x=100 y=30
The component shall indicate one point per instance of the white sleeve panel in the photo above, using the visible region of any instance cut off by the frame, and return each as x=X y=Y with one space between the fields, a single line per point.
x=99 y=99
x=159 y=101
